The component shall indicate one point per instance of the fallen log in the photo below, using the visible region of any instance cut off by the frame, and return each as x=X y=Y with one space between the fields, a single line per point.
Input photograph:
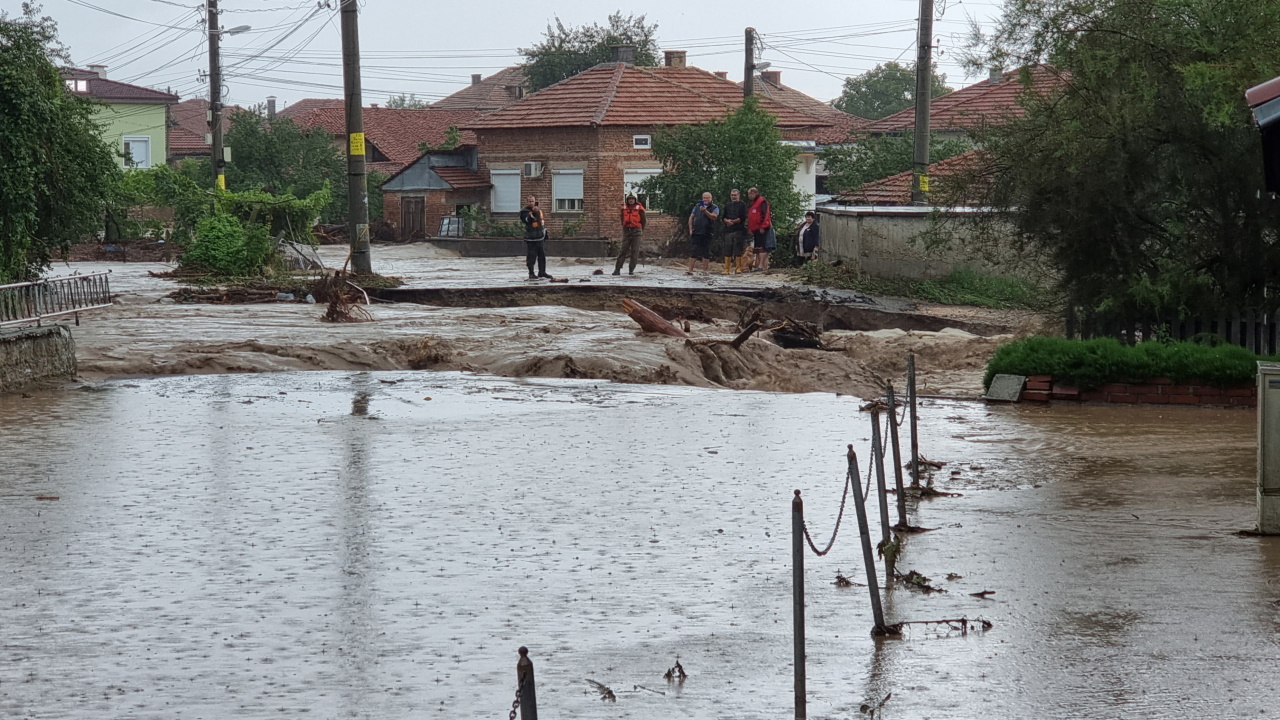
x=745 y=334
x=649 y=320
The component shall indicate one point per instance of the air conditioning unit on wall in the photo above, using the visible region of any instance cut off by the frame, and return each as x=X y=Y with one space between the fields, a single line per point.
x=532 y=169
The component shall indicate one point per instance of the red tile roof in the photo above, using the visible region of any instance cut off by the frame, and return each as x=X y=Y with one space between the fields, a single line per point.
x=306 y=105
x=975 y=106
x=623 y=94
x=190 y=123
x=396 y=133
x=896 y=189
x=462 y=178
x=492 y=93
x=841 y=124
x=114 y=91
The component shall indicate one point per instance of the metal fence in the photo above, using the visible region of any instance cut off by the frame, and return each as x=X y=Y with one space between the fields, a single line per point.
x=1254 y=330
x=32 y=302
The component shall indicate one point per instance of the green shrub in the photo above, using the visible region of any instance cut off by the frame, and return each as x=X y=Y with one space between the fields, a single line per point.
x=962 y=286
x=225 y=247
x=1089 y=364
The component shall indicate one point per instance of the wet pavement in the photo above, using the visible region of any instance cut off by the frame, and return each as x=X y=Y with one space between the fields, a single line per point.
x=337 y=545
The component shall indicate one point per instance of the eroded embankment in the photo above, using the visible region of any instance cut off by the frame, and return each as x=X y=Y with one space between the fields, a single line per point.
x=828 y=310
x=578 y=331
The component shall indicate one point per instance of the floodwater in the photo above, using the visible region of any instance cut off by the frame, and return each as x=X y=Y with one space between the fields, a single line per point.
x=378 y=545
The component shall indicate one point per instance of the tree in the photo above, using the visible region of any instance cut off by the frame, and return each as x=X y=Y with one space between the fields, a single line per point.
x=56 y=172
x=280 y=158
x=884 y=90
x=742 y=150
x=1141 y=177
x=567 y=51
x=852 y=165
x=406 y=102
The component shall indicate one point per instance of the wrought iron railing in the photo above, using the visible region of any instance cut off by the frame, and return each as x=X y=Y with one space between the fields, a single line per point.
x=32 y=302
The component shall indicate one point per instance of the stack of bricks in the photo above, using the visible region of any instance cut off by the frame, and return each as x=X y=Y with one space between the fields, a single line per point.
x=1156 y=391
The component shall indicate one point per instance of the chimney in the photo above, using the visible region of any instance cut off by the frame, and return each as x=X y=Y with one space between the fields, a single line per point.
x=271 y=107
x=373 y=105
x=676 y=58
x=624 y=53
x=722 y=74
x=773 y=77
x=100 y=69
x=996 y=75
x=476 y=78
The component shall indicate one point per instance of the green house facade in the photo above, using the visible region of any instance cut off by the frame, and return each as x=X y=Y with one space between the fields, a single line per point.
x=135 y=119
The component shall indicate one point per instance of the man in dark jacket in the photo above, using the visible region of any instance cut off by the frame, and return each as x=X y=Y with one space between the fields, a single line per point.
x=535 y=239
x=735 y=233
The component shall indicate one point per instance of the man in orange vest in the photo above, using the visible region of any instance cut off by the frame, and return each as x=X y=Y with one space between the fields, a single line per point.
x=633 y=221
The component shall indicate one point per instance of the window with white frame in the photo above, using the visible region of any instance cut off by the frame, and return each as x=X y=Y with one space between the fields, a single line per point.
x=642 y=142
x=566 y=190
x=137 y=152
x=631 y=180
x=79 y=86
x=506 y=190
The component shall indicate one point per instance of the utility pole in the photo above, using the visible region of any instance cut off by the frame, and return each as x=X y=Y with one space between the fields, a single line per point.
x=215 y=99
x=357 y=192
x=924 y=83
x=749 y=68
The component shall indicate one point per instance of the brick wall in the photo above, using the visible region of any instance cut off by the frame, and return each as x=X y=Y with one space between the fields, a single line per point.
x=603 y=154
x=1156 y=391
x=437 y=204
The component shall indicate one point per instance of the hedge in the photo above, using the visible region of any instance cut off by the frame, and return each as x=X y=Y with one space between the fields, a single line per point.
x=1089 y=364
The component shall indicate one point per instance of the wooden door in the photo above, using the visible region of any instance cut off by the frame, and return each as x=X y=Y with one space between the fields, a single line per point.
x=412 y=220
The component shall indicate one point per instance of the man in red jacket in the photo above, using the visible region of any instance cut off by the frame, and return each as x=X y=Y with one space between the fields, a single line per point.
x=759 y=223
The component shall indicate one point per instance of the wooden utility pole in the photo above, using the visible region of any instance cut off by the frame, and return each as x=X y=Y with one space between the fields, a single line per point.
x=749 y=67
x=357 y=192
x=215 y=99
x=924 y=84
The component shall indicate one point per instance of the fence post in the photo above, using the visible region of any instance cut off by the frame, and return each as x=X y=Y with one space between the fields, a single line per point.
x=882 y=492
x=524 y=681
x=868 y=560
x=797 y=601
x=897 y=456
x=915 y=438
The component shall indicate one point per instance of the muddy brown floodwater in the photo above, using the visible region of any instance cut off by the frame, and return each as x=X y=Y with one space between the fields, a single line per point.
x=377 y=545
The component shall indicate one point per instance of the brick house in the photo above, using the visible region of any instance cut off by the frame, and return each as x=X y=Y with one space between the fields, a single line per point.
x=391 y=135
x=580 y=145
x=435 y=186
x=486 y=94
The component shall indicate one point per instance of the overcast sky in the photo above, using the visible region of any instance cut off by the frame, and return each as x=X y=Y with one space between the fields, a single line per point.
x=431 y=48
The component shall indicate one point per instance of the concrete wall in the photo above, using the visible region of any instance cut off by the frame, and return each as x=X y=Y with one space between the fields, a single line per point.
x=31 y=354
x=882 y=241
x=121 y=120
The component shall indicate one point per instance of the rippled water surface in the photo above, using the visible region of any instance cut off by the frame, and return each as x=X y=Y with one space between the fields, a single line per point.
x=337 y=545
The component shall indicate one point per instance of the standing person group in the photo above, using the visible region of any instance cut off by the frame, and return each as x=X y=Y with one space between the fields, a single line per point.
x=535 y=239
x=739 y=221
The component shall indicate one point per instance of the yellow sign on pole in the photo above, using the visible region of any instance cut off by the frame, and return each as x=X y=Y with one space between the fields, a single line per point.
x=222 y=181
x=357 y=143
x=924 y=183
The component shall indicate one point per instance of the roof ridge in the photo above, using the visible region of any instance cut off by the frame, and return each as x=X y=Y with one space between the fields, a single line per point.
x=682 y=86
x=607 y=99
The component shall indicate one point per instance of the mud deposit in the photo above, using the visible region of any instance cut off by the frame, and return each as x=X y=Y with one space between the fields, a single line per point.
x=470 y=322
x=337 y=545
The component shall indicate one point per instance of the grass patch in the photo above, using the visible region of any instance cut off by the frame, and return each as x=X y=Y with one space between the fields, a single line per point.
x=963 y=286
x=1089 y=364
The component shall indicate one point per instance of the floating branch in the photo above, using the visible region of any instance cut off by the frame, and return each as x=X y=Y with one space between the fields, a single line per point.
x=605 y=692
